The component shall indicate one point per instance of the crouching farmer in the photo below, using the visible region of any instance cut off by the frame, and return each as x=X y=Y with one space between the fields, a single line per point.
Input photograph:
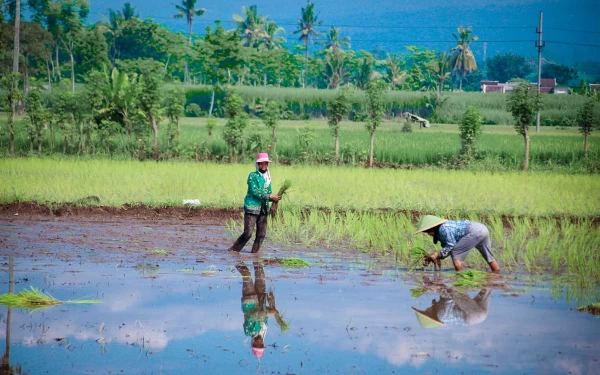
x=457 y=239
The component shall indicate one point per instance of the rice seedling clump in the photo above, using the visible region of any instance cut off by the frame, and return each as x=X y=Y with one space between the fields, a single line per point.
x=470 y=278
x=292 y=262
x=34 y=298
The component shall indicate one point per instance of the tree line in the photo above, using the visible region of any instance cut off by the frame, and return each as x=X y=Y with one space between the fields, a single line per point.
x=123 y=63
x=56 y=43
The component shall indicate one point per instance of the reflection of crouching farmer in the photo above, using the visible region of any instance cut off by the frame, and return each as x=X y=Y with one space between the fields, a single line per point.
x=254 y=306
x=455 y=308
x=457 y=239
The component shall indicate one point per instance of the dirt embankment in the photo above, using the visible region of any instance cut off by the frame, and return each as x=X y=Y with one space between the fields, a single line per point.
x=215 y=215
x=205 y=214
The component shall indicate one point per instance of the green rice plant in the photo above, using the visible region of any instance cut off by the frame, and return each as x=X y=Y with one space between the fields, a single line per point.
x=470 y=278
x=292 y=262
x=282 y=190
x=154 y=184
x=417 y=256
x=282 y=323
x=186 y=270
x=33 y=299
x=160 y=252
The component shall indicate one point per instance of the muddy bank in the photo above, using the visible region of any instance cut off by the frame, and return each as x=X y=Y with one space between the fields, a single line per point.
x=207 y=215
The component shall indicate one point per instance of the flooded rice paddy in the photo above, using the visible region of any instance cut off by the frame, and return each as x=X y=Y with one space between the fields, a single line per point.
x=173 y=301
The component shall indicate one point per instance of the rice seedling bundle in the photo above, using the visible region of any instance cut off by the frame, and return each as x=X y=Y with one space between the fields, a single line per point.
x=417 y=257
x=282 y=190
x=34 y=298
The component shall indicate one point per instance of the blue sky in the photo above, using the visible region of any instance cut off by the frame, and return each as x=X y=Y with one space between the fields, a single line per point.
x=390 y=25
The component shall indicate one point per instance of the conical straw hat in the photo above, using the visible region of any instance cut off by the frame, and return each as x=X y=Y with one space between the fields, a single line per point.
x=428 y=222
x=426 y=321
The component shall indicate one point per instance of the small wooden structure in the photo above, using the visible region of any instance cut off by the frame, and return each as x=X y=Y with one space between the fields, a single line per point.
x=422 y=122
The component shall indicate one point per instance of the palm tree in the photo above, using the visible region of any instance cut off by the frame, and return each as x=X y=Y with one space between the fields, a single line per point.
x=334 y=41
x=364 y=72
x=463 y=59
x=113 y=25
x=441 y=68
x=187 y=9
x=306 y=28
x=250 y=25
x=394 y=73
x=15 y=70
x=17 y=36
x=270 y=38
x=334 y=67
x=129 y=12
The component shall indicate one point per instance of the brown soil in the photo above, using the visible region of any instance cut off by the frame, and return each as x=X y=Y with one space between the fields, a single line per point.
x=590 y=309
x=204 y=215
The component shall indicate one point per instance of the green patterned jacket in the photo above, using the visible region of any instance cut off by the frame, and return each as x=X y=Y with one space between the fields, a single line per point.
x=257 y=194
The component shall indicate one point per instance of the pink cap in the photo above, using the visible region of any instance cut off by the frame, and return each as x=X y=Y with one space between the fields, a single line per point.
x=258 y=352
x=262 y=157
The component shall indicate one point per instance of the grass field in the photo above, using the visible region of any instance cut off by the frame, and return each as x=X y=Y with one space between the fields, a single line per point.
x=446 y=192
x=500 y=147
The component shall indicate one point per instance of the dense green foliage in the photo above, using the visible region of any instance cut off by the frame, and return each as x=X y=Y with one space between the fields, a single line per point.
x=470 y=130
x=499 y=147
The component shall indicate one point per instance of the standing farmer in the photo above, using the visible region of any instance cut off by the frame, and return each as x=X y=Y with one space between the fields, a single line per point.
x=256 y=204
x=457 y=239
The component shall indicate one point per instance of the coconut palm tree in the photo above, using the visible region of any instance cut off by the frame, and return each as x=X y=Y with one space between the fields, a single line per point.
x=441 y=68
x=334 y=41
x=250 y=25
x=462 y=59
x=270 y=35
x=17 y=36
x=306 y=28
x=334 y=67
x=113 y=26
x=393 y=68
x=129 y=12
x=188 y=10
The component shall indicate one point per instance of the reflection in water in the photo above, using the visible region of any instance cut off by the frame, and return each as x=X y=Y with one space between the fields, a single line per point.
x=257 y=306
x=455 y=308
x=5 y=367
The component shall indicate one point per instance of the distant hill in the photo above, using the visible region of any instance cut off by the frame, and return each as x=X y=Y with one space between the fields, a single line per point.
x=389 y=25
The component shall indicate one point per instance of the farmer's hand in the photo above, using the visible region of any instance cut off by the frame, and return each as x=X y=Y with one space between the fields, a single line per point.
x=432 y=258
x=274 y=197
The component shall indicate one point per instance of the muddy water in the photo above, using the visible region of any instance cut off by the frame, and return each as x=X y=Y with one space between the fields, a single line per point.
x=183 y=312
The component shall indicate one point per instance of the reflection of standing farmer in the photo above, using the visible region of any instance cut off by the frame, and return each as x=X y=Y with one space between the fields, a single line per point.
x=254 y=306
x=256 y=204
x=455 y=307
x=457 y=239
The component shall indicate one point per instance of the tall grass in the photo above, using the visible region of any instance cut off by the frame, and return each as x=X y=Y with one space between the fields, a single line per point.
x=224 y=185
x=533 y=245
x=558 y=109
x=499 y=147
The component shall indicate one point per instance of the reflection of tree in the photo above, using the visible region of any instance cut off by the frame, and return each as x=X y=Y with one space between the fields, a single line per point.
x=457 y=308
x=5 y=367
